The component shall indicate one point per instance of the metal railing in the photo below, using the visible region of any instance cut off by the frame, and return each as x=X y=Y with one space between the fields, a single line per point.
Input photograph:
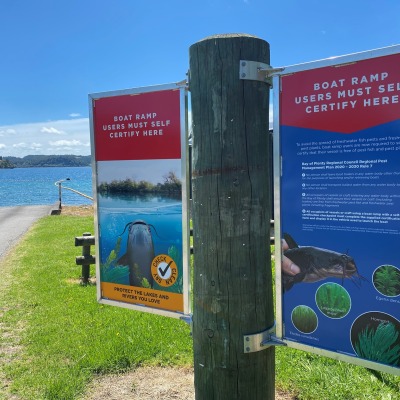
x=60 y=187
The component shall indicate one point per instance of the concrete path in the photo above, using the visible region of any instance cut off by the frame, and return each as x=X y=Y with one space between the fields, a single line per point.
x=15 y=221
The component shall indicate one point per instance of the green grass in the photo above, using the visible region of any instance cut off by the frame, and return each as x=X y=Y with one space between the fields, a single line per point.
x=66 y=338
x=313 y=377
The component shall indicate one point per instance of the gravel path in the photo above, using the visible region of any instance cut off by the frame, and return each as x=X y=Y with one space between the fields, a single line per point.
x=15 y=221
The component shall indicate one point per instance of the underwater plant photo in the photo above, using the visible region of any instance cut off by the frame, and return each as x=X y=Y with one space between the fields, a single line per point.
x=375 y=336
x=386 y=280
x=304 y=319
x=333 y=300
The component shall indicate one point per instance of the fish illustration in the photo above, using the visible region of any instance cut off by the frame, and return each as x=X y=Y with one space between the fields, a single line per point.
x=139 y=253
x=317 y=264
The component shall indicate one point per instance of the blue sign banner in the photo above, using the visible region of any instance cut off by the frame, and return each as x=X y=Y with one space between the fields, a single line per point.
x=340 y=209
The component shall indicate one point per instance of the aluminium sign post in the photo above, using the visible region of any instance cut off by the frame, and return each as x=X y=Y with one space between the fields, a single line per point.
x=337 y=199
x=139 y=149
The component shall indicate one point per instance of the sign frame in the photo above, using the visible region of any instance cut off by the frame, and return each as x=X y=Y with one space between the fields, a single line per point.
x=134 y=93
x=278 y=211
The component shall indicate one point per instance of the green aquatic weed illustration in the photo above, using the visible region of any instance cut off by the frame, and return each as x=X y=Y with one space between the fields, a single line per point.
x=110 y=272
x=380 y=344
x=333 y=300
x=137 y=272
x=117 y=274
x=304 y=319
x=387 y=280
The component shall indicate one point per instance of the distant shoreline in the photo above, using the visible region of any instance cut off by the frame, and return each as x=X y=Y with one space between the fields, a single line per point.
x=35 y=161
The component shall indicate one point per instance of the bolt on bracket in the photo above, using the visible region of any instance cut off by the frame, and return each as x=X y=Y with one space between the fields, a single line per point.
x=261 y=341
x=257 y=71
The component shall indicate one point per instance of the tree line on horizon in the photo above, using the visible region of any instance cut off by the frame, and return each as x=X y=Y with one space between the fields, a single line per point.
x=30 y=161
x=171 y=185
x=5 y=164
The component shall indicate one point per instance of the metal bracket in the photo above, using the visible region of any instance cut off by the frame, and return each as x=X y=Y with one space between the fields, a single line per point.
x=183 y=83
x=257 y=71
x=188 y=319
x=261 y=341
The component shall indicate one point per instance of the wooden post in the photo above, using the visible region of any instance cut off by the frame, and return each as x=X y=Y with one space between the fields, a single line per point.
x=231 y=220
x=86 y=240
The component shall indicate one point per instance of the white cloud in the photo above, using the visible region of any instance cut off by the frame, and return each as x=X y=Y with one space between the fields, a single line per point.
x=69 y=143
x=35 y=138
x=74 y=115
x=52 y=130
x=7 y=132
x=20 y=145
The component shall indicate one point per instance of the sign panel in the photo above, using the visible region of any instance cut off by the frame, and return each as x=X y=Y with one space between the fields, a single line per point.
x=339 y=207
x=140 y=184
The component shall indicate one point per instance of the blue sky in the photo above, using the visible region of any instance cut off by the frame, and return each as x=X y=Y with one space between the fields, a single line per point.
x=54 y=53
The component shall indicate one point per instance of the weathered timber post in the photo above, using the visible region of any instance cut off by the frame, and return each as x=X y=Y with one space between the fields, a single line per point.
x=231 y=220
x=86 y=240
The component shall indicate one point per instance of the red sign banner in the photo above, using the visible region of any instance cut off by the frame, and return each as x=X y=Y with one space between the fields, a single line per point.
x=329 y=98
x=142 y=126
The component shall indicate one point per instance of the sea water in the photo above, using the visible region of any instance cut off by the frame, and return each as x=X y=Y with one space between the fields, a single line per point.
x=37 y=186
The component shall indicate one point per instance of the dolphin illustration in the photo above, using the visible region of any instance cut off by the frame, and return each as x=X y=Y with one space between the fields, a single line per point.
x=139 y=253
